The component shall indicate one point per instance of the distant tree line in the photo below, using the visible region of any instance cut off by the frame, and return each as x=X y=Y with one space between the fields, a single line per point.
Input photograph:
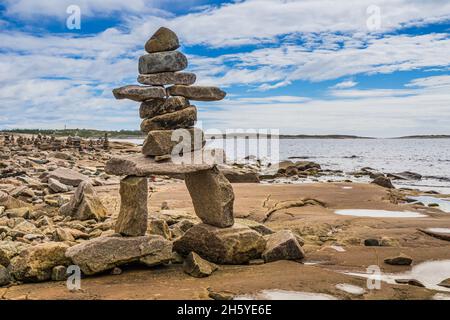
x=82 y=133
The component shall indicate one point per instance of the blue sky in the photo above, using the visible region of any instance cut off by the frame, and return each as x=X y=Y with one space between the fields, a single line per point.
x=378 y=67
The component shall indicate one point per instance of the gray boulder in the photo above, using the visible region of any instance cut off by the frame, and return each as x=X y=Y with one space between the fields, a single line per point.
x=36 y=263
x=163 y=39
x=197 y=267
x=84 y=204
x=199 y=93
x=139 y=93
x=159 y=142
x=282 y=245
x=184 y=118
x=165 y=78
x=234 y=245
x=156 y=107
x=105 y=253
x=162 y=62
x=212 y=196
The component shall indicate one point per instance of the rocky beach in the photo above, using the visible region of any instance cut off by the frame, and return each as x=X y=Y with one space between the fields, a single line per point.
x=138 y=223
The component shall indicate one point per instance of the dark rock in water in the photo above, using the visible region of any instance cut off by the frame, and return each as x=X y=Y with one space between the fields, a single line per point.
x=372 y=243
x=411 y=282
x=445 y=283
x=437 y=235
x=184 y=118
x=165 y=78
x=234 y=245
x=197 y=267
x=240 y=175
x=406 y=175
x=383 y=182
x=163 y=39
x=282 y=245
x=401 y=260
x=162 y=62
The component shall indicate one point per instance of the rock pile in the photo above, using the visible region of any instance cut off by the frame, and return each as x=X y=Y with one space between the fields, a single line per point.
x=164 y=110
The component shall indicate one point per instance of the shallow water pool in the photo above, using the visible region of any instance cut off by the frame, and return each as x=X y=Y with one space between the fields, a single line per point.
x=379 y=213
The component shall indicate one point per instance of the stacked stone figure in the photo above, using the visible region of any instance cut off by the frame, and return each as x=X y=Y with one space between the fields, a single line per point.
x=165 y=110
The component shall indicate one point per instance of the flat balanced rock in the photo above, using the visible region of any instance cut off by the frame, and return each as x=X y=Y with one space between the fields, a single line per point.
x=165 y=78
x=234 y=245
x=155 y=107
x=162 y=142
x=199 y=93
x=184 y=118
x=163 y=39
x=139 y=93
x=162 y=62
x=142 y=166
x=105 y=253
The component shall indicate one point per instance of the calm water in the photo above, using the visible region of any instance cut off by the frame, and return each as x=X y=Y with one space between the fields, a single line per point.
x=428 y=157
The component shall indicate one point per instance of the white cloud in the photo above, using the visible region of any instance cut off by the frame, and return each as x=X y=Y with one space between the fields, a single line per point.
x=345 y=84
x=50 y=80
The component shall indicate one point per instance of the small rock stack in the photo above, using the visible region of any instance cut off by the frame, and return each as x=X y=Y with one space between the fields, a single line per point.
x=166 y=109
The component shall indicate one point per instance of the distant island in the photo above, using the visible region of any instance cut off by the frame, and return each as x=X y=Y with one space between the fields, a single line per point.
x=137 y=134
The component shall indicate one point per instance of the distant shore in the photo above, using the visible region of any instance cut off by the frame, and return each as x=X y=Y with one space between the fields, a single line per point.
x=136 y=134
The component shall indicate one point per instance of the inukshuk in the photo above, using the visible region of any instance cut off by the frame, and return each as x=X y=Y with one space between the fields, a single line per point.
x=165 y=109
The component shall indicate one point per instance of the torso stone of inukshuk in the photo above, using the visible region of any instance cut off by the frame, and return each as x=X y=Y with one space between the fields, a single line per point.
x=164 y=94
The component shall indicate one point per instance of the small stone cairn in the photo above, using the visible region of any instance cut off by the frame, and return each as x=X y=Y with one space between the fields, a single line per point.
x=163 y=110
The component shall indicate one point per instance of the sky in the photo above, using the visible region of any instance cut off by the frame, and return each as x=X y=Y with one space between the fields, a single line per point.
x=365 y=67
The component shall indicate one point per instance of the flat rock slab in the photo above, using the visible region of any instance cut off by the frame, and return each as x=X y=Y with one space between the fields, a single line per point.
x=165 y=78
x=184 y=118
x=139 y=93
x=68 y=177
x=199 y=93
x=169 y=61
x=142 y=166
x=105 y=253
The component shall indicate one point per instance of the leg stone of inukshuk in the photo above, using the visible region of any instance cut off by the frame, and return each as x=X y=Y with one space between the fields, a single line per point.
x=132 y=220
x=212 y=196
